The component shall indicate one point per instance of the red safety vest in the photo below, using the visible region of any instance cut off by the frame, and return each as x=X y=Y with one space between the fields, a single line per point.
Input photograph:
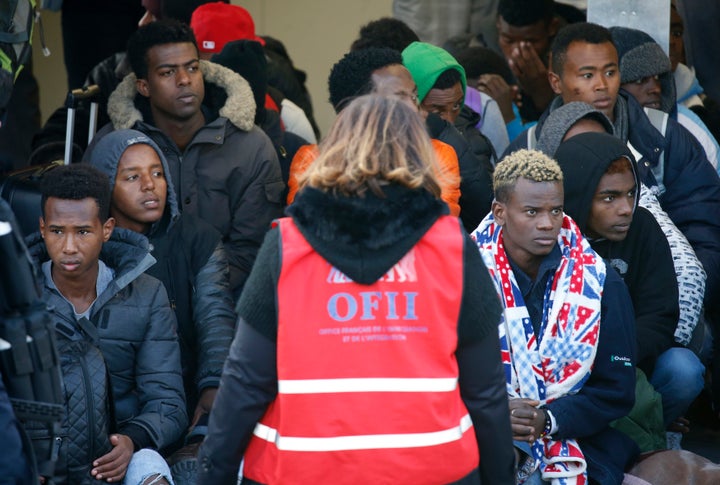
x=367 y=376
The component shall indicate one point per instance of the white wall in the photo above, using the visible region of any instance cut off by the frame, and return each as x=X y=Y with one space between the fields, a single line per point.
x=316 y=34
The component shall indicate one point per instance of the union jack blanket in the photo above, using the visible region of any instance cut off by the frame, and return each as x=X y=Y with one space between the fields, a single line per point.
x=558 y=361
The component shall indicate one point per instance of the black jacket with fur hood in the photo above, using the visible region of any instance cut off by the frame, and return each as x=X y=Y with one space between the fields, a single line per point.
x=363 y=238
x=228 y=174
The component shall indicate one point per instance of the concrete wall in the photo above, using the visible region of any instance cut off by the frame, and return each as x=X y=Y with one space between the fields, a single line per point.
x=316 y=34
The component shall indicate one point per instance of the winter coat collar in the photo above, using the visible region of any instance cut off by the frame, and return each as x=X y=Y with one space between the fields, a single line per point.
x=226 y=93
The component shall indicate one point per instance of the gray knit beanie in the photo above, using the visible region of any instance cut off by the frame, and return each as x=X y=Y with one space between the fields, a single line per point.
x=640 y=56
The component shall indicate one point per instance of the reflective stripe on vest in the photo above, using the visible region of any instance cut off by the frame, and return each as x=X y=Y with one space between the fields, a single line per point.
x=315 y=386
x=367 y=376
x=363 y=442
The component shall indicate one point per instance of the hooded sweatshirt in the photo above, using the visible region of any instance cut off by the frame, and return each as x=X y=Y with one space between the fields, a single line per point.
x=642 y=259
x=547 y=135
x=192 y=265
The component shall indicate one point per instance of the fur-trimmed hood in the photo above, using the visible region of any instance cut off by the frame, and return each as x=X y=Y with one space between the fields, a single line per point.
x=227 y=94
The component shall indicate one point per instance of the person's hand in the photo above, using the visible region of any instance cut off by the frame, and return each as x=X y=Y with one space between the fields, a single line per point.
x=532 y=74
x=204 y=405
x=504 y=95
x=680 y=425
x=526 y=419
x=112 y=466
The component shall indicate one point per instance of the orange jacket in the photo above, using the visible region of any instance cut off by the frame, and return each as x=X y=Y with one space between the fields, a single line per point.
x=448 y=173
x=367 y=376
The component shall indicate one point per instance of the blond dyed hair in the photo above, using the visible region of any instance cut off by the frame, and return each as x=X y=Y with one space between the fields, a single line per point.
x=375 y=141
x=532 y=165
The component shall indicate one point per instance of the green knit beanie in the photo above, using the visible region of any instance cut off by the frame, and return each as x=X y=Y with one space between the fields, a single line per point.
x=426 y=62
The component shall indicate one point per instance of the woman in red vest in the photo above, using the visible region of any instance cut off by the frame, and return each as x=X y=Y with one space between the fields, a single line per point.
x=366 y=349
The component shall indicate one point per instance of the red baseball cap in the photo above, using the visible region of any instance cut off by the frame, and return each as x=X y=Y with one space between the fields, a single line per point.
x=215 y=24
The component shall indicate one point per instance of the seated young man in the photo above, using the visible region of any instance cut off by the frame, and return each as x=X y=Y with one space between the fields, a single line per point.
x=442 y=86
x=94 y=284
x=377 y=69
x=567 y=333
x=601 y=195
x=191 y=260
x=225 y=168
x=577 y=117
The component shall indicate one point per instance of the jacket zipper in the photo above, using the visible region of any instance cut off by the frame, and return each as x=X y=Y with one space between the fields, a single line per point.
x=90 y=402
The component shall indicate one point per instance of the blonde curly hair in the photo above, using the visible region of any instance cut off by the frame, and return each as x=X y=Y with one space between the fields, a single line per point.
x=532 y=165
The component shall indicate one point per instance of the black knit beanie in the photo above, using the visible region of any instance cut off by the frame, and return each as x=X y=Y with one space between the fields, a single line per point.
x=640 y=56
x=247 y=58
x=182 y=9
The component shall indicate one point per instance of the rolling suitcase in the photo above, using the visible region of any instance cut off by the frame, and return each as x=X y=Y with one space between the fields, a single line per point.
x=21 y=188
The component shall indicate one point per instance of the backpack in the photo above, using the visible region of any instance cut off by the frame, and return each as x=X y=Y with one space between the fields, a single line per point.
x=659 y=120
x=16 y=27
x=88 y=421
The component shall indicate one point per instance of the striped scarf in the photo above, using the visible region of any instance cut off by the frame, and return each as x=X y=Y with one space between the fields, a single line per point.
x=558 y=361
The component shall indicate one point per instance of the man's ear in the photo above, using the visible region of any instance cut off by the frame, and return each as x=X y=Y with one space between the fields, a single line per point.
x=555 y=81
x=108 y=228
x=41 y=225
x=498 y=212
x=141 y=85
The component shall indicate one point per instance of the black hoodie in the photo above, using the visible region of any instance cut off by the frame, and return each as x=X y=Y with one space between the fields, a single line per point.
x=642 y=259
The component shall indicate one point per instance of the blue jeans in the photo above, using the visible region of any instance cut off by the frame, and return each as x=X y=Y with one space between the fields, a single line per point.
x=679 y=378
x=144 y=464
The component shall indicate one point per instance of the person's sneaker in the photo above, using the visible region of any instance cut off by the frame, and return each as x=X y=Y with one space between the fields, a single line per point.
x=185 y=472
x=184 y=466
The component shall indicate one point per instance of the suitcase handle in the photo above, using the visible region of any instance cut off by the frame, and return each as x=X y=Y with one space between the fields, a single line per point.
x=88 y=92
x=71 y=102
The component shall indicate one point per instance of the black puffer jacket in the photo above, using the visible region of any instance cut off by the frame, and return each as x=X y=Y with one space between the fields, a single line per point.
x=476 y=193
x=137 y=336
x=466 y=124
x=88 y=419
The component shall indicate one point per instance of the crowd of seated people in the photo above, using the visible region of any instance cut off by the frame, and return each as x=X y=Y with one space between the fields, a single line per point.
x=582 y=188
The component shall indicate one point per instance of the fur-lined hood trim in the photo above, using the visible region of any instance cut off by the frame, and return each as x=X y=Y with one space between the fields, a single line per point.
x=239 y=106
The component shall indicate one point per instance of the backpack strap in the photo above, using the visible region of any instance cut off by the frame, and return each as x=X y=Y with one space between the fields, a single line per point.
x=659 y=120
